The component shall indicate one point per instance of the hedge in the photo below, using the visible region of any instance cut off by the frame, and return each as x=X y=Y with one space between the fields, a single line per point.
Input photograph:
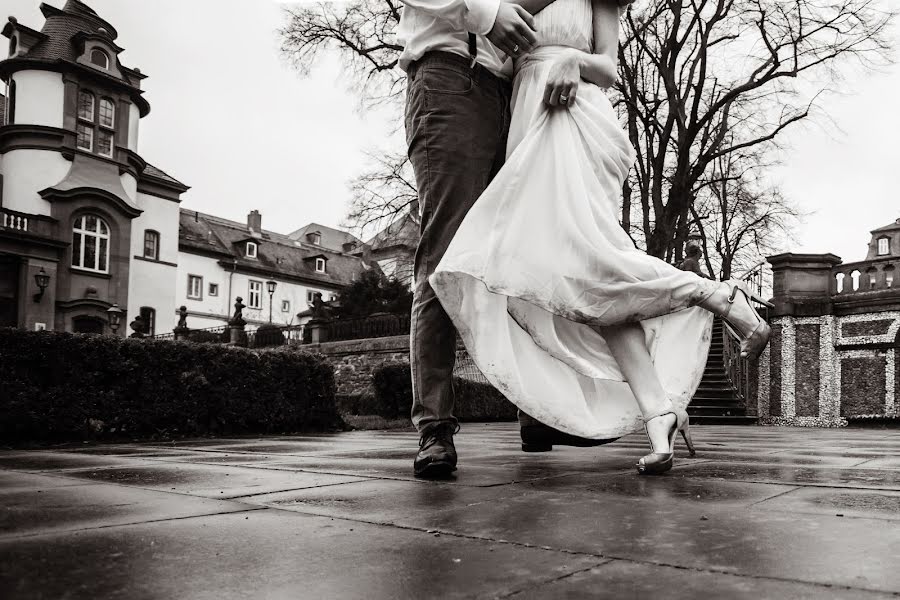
x=58 y=386
x=474 y=401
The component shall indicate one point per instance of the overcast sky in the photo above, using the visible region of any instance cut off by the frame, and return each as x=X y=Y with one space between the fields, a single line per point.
x=233 y=121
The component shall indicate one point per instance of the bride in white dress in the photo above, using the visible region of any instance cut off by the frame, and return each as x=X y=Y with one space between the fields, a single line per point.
x=553 y=301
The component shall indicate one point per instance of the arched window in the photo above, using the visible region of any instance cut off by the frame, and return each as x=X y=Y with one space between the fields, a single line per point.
x=88 y=324
x=884 y=246
x=855 y=275
x=90 y=244
x=840 y=282
x=151 y=244
x=99 y=58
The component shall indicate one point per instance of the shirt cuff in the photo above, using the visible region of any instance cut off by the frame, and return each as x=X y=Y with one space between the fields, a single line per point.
x=481 y=15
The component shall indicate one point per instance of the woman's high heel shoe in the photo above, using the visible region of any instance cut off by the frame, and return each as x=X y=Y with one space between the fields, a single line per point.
x=753 y=343
x=657 y=463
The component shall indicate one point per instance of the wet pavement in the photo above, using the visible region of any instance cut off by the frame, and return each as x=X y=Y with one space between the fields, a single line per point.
x=759 y=513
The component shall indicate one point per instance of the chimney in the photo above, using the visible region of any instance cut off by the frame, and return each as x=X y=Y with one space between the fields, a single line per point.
x=254 y=222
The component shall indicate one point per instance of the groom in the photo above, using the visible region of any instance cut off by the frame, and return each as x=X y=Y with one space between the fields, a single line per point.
x=457 y=119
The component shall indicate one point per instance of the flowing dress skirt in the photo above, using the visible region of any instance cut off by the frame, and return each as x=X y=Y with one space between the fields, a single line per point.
x=542 y=256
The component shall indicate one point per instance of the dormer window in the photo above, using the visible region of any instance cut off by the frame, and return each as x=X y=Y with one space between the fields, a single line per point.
x=884 y=246
x=99 y=58
x=251 y=249
x=315 y=238
x=320 y=265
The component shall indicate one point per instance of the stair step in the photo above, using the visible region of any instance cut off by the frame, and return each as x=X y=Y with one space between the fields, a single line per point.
x=719 y=420
x=716 y=411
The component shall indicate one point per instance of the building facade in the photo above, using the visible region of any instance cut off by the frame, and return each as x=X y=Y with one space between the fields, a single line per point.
x=833 y=358
x=77 y=200
x=222 y=260
x=86 y=224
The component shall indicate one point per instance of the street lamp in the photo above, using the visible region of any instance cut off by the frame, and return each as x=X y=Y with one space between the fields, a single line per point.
x=270 y=286
x=42 y=279
x=114 y=315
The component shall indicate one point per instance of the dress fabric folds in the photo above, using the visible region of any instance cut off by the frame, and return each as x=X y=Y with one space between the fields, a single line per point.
x=541 y=260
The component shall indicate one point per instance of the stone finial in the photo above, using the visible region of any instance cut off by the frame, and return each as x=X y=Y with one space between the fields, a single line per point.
x=138 y=327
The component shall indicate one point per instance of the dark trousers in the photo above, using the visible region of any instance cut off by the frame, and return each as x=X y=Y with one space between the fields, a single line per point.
x=457 y=120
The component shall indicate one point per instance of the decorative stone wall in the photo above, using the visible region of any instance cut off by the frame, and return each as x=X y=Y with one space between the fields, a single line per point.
x=821 y=371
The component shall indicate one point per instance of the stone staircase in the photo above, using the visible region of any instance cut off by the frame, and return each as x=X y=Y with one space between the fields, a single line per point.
x=715 y=402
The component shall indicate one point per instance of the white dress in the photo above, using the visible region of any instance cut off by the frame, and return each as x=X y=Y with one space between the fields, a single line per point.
x=542 y=254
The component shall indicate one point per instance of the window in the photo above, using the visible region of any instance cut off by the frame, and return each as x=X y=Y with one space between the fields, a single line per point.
x=195 y=287
x=90 y=244
x=315 y=238
x=95 y=124
x=148 y=316
x=889 y=277
x=84 y=130
x=251 y=249
x=255 y=295
x=884 y=246
x=310 y=295
x=285 y=306
x=88 y=324
x=214 y=289
x=320 y=265
x=11 y=102
x=151 y=244
x=99 y=58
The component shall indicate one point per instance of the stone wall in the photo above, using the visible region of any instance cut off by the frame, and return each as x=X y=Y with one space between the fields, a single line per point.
x=355 y=361
x=821 y=371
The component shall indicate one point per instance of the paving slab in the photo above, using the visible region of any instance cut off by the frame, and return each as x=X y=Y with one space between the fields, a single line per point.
x=618 y=579
x=762 y=511
x=273 y=554
x=212 y=481
x=57 y=509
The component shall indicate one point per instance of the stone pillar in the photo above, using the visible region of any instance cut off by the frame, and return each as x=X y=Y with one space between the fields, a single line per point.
x=236 y=335
x=318 y=331
x=796 y=375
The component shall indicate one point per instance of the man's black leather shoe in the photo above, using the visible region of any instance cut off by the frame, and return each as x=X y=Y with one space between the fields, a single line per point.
x=542 y=438
x=437 y=454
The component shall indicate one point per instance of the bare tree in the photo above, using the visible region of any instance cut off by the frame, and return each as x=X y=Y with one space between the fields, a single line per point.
x=738 y=217
x=705 y=79
x=700 y=80
x=382 y=193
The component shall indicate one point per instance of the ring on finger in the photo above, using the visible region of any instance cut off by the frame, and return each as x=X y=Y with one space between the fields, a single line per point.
x=563 y=98
x=515 y=49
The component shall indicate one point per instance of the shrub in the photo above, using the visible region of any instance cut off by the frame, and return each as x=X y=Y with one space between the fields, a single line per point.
x=475 y=401
x=59 y=386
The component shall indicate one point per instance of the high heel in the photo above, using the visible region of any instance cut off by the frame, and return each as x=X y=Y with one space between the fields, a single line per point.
x=752 y=344
x=657 y=463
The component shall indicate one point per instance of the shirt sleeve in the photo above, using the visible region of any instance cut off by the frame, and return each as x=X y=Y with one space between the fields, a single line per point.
x=475 y=16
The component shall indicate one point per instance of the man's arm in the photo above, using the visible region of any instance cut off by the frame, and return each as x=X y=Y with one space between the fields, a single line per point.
x=508 y=26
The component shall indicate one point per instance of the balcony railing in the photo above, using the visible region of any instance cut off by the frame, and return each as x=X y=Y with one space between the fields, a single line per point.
x=19 y=222
x=876 y=275
x=373 y=326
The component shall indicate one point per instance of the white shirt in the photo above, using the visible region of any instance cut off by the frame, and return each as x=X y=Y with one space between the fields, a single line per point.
x=444 y=25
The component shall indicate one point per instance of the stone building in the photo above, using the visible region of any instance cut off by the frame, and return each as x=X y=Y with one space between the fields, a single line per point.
x=833 y=356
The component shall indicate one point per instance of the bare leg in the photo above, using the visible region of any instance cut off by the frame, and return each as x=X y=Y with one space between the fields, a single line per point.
x=629 y=348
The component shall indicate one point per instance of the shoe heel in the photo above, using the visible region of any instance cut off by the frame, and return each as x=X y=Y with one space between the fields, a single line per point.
x=531 y=447
x=686 y=434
